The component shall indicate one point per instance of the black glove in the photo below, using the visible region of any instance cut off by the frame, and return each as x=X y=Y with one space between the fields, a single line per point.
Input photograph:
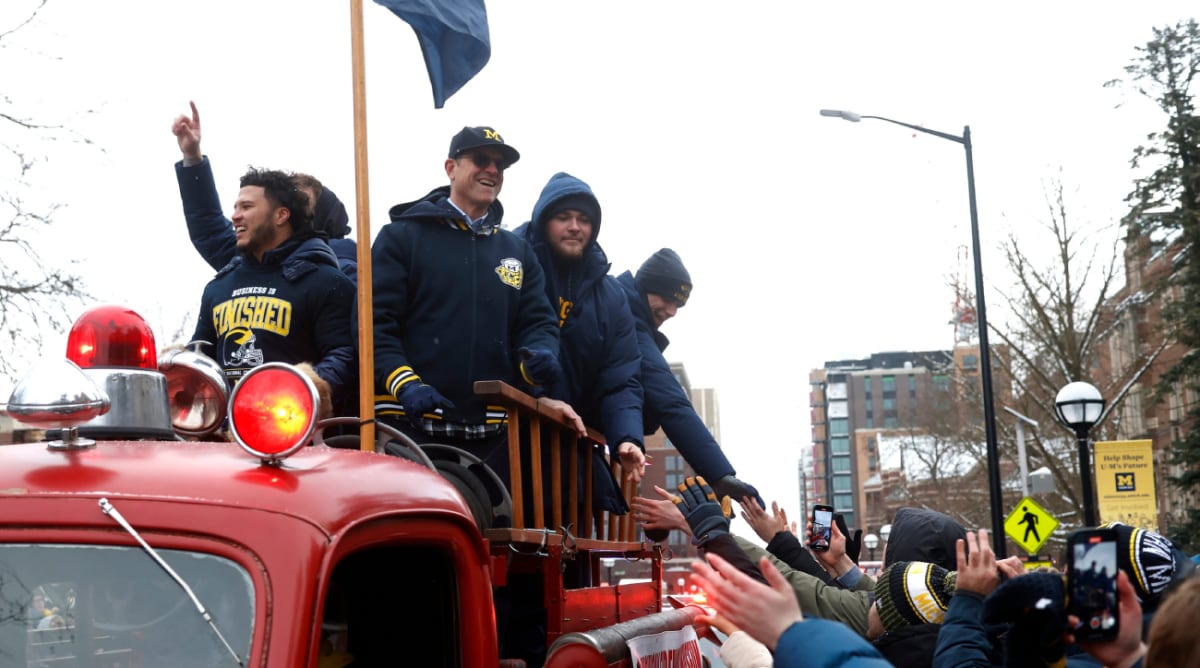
x=540 y=366
x=853 y=542
x=730 y=485
x=419 y=399
x=703 y=512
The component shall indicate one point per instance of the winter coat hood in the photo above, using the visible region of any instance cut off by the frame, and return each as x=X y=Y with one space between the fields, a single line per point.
x=437 y=204
x=562 y=186
x=920 y=534
x=299 y=255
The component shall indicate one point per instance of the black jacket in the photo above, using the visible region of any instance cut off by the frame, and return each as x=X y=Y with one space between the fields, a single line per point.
x=292 y=307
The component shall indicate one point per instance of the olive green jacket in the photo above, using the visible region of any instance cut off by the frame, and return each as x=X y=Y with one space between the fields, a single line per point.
x=818 y=599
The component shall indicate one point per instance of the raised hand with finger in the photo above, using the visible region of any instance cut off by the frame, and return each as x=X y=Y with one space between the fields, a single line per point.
x=187 y=133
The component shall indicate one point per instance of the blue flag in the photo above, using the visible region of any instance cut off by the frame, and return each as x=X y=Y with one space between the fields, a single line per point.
x=454 y=38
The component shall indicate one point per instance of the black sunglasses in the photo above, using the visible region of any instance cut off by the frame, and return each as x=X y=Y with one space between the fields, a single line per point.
x=483 y=161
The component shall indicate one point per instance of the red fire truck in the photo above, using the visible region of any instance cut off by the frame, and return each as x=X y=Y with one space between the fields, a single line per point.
x=132 y=537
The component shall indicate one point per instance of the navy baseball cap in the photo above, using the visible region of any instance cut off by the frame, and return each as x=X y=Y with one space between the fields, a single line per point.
x=481 y=137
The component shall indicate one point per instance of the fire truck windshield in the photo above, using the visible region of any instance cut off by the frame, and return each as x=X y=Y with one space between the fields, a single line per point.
x=93 y=605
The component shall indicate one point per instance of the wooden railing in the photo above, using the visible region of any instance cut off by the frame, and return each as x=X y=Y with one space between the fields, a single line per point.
x=547 y=424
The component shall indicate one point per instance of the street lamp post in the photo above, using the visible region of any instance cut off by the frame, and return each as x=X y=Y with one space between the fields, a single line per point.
x=1021 y=459
x=985 y=356
x=1079 y=406
x=871 y=541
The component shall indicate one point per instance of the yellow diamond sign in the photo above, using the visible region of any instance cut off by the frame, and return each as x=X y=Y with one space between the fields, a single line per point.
x=1030 y=525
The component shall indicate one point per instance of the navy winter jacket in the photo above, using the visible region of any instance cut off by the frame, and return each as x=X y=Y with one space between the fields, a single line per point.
x=599 y=348
x=666 y=403
x=453 y=306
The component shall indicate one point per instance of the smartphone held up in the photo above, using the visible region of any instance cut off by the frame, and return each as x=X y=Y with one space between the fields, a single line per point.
x=1092 y=583
x=822 y=528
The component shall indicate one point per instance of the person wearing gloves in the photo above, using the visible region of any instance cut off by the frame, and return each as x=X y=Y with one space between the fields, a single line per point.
x=598 y=347
x=457 y=299
x=659 y=289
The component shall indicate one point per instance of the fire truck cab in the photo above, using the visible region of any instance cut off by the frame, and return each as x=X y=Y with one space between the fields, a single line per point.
x=150 y=550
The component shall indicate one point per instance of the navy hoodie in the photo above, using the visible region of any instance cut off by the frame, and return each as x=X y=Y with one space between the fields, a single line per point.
x=453 y=306
x=600 y=359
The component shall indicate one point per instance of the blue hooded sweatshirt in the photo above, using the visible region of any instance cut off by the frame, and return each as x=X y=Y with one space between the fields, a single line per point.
x=599 y=352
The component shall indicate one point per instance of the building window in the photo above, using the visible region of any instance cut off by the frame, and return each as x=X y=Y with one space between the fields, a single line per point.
x=889 y=404
x=841 y=483
x=889 y=383
x=868 y=405
x=841 y=464
x=674 y=480
x=867 y=385
x=870 y=422
x=839 y=427
x=912 y=384
x=970 y=362
x=843 y=502
x=890 y=422
x=840 y=445
x=941 y=382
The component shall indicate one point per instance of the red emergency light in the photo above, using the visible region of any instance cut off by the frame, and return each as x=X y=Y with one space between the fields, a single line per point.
x=273 y=411
x=112 y=336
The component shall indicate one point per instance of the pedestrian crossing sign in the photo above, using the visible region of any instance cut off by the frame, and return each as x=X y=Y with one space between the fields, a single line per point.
x=1030 y=525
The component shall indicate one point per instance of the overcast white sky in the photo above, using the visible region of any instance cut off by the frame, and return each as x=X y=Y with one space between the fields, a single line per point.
x=695 y=122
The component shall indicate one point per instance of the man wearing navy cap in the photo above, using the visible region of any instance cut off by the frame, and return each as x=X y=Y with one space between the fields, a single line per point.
x=456 y=300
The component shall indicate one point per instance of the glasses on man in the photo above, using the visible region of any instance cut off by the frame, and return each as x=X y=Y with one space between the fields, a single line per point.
x=483 y=161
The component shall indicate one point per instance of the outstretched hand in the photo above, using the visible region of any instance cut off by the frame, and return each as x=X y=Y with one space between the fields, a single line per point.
x=703 y=511
x=766 y=526
x=661 y=514
x=187 y=133
x=762 y=611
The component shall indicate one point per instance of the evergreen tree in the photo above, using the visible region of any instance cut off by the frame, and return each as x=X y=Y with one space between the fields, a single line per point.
x=1165 y=205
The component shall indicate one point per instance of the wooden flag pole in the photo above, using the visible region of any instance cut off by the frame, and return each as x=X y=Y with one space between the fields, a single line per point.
x=366 y=321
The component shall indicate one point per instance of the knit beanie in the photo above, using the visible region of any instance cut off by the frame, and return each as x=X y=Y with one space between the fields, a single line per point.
x=1149 y=559
x=1033 y=606
x=913 y=592
x=584 y=203
x=664 y=275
